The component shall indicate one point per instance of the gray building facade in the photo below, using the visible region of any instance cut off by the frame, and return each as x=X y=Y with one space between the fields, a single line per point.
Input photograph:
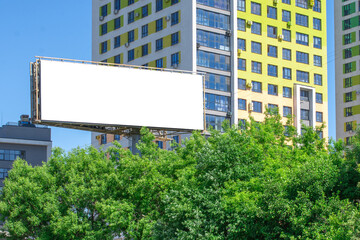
x=25 y=140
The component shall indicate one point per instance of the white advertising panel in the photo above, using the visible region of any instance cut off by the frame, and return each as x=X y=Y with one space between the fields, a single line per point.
x=119 y=96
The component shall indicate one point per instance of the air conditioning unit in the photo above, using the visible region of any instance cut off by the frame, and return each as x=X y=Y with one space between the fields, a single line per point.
x=137 y=14
x=249 y=85
x=167 y=18
x=251 y=106
x=358 y=92
x=311 y=3
x=229 y=114
x=127 y=44
x=101 y=18
x=281 y=37
x=249 y=22
x=175 y=65
x=228 y=33
x=116 y=11
x=239 y=52
x=289 y=23
x=198 y=45
x=276 y=1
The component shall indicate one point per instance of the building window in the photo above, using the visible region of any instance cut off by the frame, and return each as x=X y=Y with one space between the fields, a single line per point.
x=257 y=106
x=286 y=16
x=348 y=112
x=302 y=57
x=131 y=17
x=256 y=8
x=348 y=82
x=256 y=28
x=287 y=92
x=241 y=104
x=103 y=139
x=272 y=51
x=213 y=60
x=304 y=114
x=301 y=3
x=104 y=10
x=271 y=12
x=241 y=64
x=159 y=5
x=273 y=108
x=144 y=30
x=317 y=23
x=319 y=98
x=103 y=28
x=221 y=4
x=131 y=55
x=256 y=67
x=211 y=19
x=241 y=24
x=287 y=111
x=272 y=89
x=144 y=50
x=347 y=38
x=217 y=82
x=131 y=36
x=304 y=95
x=241 y=5
x=256 y=47
x=272 y=31
x=174 y=18
x=317 y=6
x=348 y=97
x=104 y=47
x=318 y=79
x=302 y=39
x=11 y=155
x=215 y=122
x=348 y=67
x=117 y=23
x=241 y=44
x=272 y=70
x=302 y=76
x=175 y=59
x=117 y=59
x=117 y=5
x=116 y=41
x=317 y=61
x=256 y=86
x=159 y=44
x=286 y=1
x=319 y=116
x=348 y=53
x=213 y=40
x=159 y=24
x=117 y=137
x=286 y=54
x=130 y=2
x=217 y=102
x=174 y=2
x=349 y=126
x=159 y=63
x=286 y=73
x=176 y=139
x=174 y=38
x=160 y=144
x=302 y=20
x=3 y=172
x=241 y=84
x=145 y=11
x=287 y=35
x=317 y=42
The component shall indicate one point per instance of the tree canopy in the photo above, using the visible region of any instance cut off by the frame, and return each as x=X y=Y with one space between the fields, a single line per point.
x=254 y=181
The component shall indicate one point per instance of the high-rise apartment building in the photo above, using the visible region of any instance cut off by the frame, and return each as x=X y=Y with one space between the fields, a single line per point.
x=256 y=54
x=347 y=62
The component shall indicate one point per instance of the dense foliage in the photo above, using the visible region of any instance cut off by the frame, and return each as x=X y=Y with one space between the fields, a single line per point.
x=258 y=181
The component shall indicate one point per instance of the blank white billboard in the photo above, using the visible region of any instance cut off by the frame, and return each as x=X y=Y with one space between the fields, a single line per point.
x=74 y=92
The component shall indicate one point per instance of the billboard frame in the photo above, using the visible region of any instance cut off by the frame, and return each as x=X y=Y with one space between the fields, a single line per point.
x=35 y=93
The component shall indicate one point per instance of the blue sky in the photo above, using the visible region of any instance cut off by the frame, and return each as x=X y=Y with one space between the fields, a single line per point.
x=63 y=29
